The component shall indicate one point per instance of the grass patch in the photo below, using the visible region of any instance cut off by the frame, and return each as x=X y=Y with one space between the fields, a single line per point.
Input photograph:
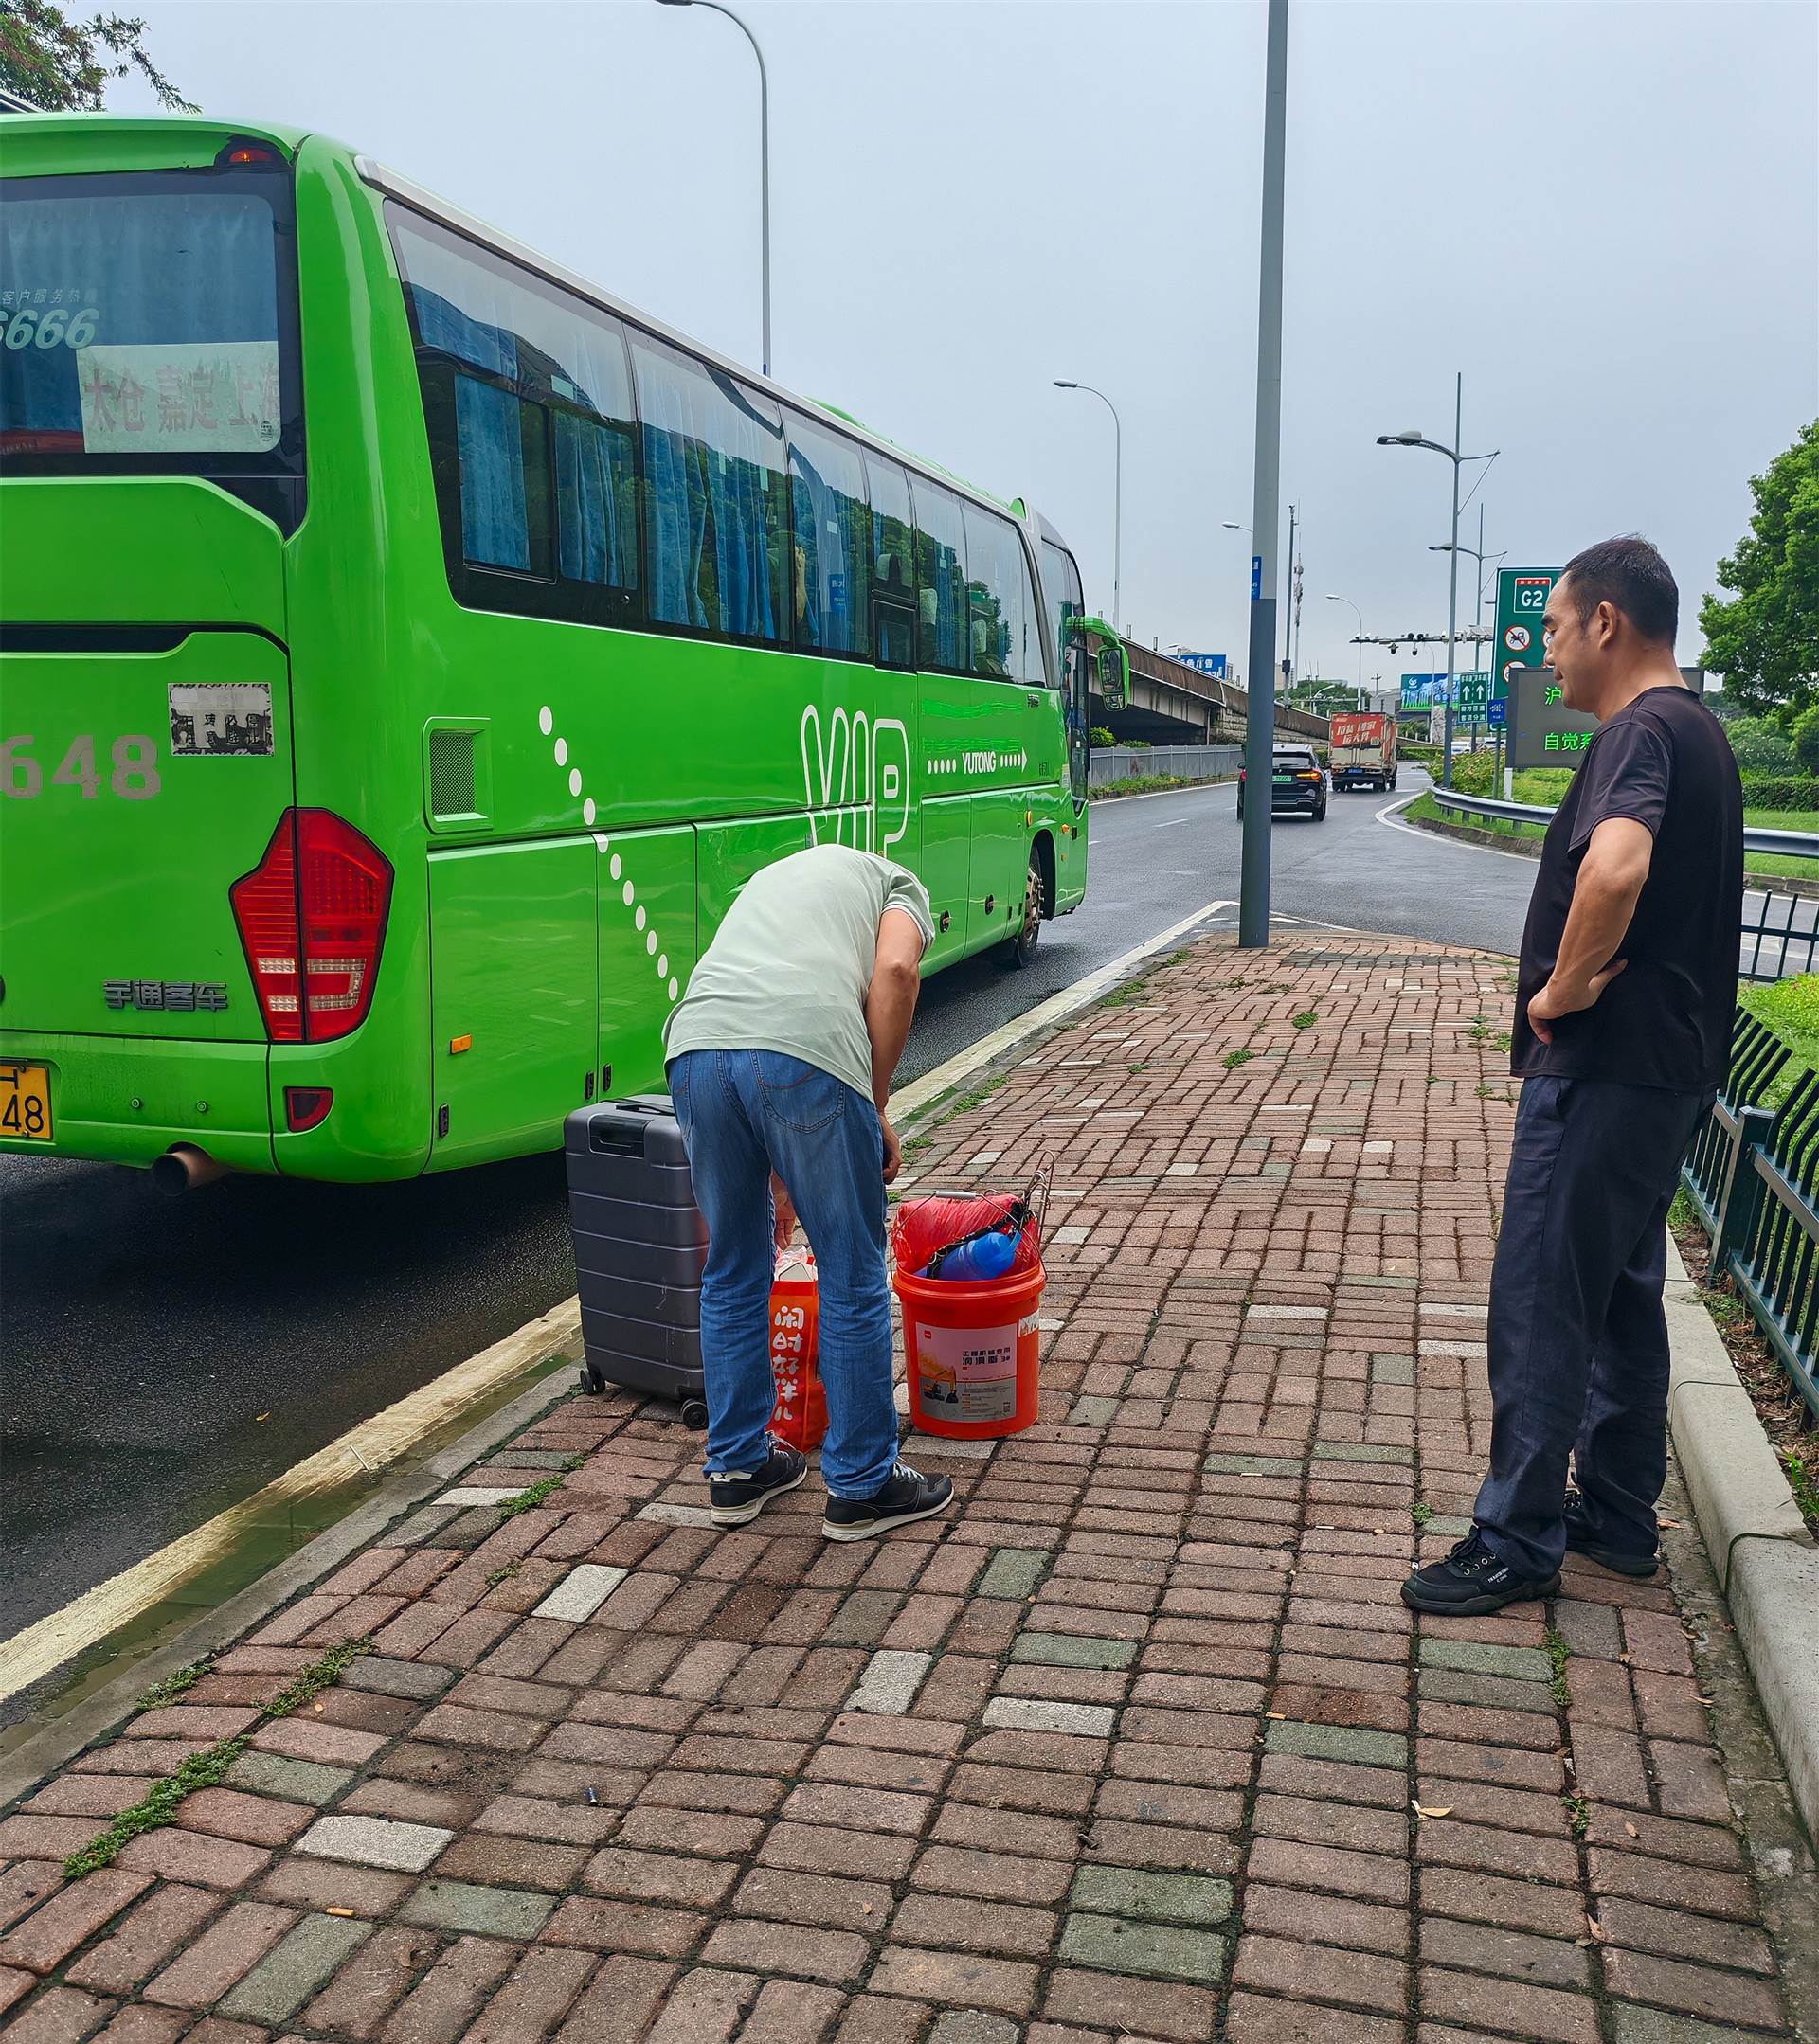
x=1234 y=1058
x=537 y=1492
x=1683 y=1214
x=1801 y=1481
x=504 y=1574
x=1421 y=1512
x=1306 y=1019
x=158 y=1806
x=1478 y=1029
x=1558 y=1653
x=172 y=1686
x=1791 y=1009
x=1578 y=1815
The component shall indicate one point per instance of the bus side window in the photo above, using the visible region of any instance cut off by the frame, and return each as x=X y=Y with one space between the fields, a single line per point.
x=941 y=580
x=716 y=529
x=894 y=566
x=832 y=583
x=998 y=597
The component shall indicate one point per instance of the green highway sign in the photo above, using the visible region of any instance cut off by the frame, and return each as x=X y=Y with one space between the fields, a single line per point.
x=1543 y=732
x=1474 y=693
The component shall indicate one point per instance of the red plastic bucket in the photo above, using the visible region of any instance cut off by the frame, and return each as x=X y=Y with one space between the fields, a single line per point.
x=973 y=1352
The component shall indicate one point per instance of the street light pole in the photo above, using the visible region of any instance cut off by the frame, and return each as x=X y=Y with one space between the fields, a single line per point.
x=1415 y=437
x=1117 y=489
x=1288 y=621
x=1259 y=707
x=1479 y=555
x=763 y=151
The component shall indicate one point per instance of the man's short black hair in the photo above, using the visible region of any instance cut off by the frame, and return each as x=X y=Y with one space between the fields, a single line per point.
x=1629 y=574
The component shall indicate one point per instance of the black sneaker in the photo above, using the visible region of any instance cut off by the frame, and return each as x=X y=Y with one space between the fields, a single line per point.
x=736 y=1499
x=1579 y=1540
x=1470 y=1582
x=908 y=1495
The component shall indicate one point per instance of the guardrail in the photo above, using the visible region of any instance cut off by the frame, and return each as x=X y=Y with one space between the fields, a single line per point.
x=1185 y=762
x=1750 y=1174
x=1791 y=844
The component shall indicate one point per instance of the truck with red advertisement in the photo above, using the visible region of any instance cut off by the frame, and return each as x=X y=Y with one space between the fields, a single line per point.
x=1363 y=752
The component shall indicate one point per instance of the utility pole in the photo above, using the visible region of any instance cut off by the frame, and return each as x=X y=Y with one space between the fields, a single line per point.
x=1260 y=708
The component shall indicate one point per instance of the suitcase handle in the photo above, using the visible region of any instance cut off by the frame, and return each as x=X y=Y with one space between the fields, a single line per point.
x=623 y=1141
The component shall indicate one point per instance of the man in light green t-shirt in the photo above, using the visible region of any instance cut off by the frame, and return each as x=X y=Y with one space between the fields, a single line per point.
x=781 y=1057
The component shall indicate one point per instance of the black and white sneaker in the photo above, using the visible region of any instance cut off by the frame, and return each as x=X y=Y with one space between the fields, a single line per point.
x=735 y=1497
x=906 y=1497
x=1470 y=1582
x=1581 y=1540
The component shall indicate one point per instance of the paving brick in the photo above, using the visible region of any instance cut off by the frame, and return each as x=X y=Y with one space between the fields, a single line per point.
x=660 y=1877
x=625 y=1927
x=1294 y=1967
x=953 y=1979
x=972 y=2026
x=1253 y=2019
x=1133 y=2005
x=962 y=1924
x=619 y=2002
x=188 y=1856
x=331 y=1884
x=1365 y=1926
x=1693 y=1990
x=295 y=1969
x=142 y=1941
x=817 y=1955
x=1153 y=1949
x=50 y=1933
x=881 y=2020
x=1633 y=2025
x=1336 y=1742
x=231 y=1945
x=1676 y=1935
x=466 y=1906
x=58 y=2016
x=1542 y=2014
x=788 y=2012
x=440 y=2008
x=303 y=1781
x=375 y=1841
x=819 y=1849
x=357 y=2000
x=539 y=1993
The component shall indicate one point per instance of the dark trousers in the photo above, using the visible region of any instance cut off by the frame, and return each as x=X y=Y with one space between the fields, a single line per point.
x=1578 y=1339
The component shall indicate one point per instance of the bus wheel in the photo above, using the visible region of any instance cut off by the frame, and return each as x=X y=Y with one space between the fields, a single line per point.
x=1020 y=951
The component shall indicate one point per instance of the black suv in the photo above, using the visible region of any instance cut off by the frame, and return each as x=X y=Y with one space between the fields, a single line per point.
x=1297 y=782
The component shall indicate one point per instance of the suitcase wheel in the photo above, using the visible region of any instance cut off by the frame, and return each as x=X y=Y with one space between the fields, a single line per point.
x=694 y=1415
x=591 y=1379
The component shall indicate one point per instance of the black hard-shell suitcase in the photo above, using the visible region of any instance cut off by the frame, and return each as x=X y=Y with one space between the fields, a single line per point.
x=640 y=1247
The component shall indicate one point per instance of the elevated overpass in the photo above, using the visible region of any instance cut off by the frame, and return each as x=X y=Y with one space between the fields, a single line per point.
x=1172 y=704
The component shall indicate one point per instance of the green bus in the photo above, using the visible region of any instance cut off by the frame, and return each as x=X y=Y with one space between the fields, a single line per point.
x=408 y=652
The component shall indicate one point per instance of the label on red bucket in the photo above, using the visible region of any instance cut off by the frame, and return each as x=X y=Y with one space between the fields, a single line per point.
x=967 y=1374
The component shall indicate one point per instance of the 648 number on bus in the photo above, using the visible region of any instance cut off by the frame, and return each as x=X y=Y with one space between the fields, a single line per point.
x=133 y=758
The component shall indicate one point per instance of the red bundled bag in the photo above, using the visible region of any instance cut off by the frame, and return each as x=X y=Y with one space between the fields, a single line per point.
x=800 y=1419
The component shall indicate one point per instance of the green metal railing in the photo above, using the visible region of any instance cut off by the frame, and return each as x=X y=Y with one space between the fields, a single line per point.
x=1751 y=1173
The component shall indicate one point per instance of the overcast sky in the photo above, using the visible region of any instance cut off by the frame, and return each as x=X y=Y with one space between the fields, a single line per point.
x=1606 y=215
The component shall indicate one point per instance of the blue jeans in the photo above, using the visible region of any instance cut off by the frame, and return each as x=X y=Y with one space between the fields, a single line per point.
x=1578 y=1340
x=744 y=1114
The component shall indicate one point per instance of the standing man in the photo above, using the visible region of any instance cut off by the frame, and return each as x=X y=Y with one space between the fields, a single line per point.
x=1626 y=992
x=781 y=1057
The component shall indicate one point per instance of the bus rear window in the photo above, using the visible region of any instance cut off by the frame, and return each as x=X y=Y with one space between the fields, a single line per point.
x=147 y=325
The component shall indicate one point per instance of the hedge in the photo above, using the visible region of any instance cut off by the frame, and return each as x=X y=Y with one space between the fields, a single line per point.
x=1780 y=791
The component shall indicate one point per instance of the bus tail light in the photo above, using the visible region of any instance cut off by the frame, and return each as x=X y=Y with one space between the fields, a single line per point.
x=311 y=916
x=306 y=1106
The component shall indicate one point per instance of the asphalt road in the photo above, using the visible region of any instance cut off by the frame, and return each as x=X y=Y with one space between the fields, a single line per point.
x=161 y=1358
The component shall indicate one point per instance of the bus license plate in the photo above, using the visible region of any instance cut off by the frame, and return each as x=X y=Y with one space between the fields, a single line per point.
x=25 y=1102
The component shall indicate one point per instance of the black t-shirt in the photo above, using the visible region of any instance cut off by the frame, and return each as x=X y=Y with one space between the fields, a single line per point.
x=1667 y=1019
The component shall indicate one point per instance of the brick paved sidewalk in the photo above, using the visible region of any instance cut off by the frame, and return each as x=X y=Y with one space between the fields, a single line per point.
x=1130 y=1744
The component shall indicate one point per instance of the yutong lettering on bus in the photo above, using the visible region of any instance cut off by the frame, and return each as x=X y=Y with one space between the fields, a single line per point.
x=476 y=746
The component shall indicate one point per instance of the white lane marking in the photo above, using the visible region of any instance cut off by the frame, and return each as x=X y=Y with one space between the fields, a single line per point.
x=33 y=1654
x=933 y=1085
x=1389 y=815
x=1174 y=823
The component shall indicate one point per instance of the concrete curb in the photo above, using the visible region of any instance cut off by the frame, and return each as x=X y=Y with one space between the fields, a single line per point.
x=1766 y=1562
x=92 y=1719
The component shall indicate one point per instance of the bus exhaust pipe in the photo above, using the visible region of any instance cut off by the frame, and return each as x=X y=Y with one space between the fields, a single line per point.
x=183 y=1168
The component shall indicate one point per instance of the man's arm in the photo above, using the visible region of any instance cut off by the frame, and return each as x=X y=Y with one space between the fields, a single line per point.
x=890 y=1008
x=1610 y=881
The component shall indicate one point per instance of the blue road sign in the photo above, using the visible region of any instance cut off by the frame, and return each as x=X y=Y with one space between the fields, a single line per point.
x=1497 y=713
x=1256 y=577
x=1204 y=663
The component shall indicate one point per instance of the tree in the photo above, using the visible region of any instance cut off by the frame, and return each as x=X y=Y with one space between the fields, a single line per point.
x=63 y=66
x=1764 y=639
x=1761 y=745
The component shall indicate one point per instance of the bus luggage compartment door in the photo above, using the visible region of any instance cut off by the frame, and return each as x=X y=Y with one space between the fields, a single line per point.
x=513 y=991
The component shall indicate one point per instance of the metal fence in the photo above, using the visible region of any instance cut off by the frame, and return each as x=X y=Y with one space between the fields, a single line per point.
x=1184 y=763
x=1750 y=1174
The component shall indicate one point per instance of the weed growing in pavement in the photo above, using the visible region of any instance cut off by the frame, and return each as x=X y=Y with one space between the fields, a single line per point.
x=172 y=1686
x=1500 y=1041
x=915 y=1146
x=1421 y=1512
x=534 y=1494
x=158 y=1806
x=1127 y=996
x=1234 y=1058
x=1136 y=1068
x=1724 y=1307
x=1578 y=1813
x=1800 y=1480
x=1683 y=1214
x=1306 y=1019
x=504 y=1574
x=1558 y=1653
x=1478 y=1027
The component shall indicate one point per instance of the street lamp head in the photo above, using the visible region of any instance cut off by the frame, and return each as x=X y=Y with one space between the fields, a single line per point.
x=1232 y=525
x=1060 y=385
x=1332 y=599
x=676 y=3
x=1412 y=438
x=1445 y=547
